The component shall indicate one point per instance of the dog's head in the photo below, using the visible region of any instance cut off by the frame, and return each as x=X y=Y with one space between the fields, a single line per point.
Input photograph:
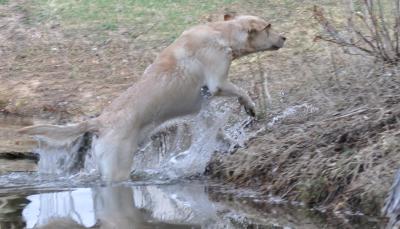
x=255 y=35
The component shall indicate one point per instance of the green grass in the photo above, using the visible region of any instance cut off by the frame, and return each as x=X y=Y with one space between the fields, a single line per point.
x=3 y=1
x=165 y=16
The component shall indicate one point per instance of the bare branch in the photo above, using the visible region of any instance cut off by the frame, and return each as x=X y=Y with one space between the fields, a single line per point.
x=397 y=25
x=375 y=36
x=385 y=33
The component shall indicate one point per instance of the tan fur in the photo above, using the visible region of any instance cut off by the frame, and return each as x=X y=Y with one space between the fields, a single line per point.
x=170 y=87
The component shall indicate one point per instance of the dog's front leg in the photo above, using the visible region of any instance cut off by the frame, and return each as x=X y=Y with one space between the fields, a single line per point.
x=229 y=89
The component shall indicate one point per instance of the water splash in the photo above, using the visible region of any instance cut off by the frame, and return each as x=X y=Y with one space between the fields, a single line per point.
x=392 y=203
x=65 y=159
x=185 y=149
x=180 y=148
x=292 y=111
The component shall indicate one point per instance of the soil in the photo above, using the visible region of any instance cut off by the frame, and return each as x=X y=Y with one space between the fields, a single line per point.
x=50 y=76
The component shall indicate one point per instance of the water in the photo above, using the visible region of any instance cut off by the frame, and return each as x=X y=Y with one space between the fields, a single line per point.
x=167 y=188
x=189 y=204
x=392 y=203
x=183 y=148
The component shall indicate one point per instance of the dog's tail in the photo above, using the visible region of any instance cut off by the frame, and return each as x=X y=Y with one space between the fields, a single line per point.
x=60 y=134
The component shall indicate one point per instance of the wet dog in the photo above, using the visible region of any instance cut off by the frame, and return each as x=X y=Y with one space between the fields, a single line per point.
x=170 y=87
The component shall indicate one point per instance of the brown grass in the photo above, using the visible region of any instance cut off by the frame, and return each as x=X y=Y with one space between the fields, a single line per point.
x=342 y=153
x=340 y=150
x=373 y=28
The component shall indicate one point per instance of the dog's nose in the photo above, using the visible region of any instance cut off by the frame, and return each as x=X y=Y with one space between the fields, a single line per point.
x=283 y=38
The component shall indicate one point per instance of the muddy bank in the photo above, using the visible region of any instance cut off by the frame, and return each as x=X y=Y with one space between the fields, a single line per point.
x=343 y=157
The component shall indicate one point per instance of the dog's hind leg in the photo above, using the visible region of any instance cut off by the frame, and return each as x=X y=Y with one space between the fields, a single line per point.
x=114 y=153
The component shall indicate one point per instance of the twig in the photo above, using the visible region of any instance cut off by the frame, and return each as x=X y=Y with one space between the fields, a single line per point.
x=354 y=112
x=397 y=26
x=381 y=42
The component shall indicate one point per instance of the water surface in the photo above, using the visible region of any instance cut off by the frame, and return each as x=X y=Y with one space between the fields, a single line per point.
x=150 y=204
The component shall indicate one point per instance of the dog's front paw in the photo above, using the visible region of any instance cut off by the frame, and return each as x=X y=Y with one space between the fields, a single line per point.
x=249 y=107
x=250 y=110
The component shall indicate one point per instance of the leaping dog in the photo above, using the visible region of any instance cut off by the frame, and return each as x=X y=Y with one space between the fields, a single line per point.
x=170 y=87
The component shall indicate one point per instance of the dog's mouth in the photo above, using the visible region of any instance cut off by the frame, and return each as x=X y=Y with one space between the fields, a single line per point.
x=275 y=47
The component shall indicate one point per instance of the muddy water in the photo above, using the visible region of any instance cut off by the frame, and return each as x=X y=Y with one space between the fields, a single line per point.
x=148 y=204
x=32 y=200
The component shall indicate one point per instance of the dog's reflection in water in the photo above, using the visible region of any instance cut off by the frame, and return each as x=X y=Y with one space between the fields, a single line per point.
x=121 y=207
x=113 y=208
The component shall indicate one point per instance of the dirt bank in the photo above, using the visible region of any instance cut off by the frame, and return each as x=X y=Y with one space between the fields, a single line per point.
x=343 y=156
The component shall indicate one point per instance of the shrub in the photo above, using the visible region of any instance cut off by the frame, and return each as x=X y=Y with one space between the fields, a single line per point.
x=373 y=28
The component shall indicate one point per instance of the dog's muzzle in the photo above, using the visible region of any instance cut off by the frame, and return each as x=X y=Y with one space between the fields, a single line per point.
x=275 y=47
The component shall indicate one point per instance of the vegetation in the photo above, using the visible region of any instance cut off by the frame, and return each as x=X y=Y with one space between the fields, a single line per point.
x=373 y=28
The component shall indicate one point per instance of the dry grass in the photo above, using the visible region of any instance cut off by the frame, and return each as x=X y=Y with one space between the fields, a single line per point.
x=59 y=61
x=342 y=152
x=341 y=148
x=373 y=28
x=68 y=59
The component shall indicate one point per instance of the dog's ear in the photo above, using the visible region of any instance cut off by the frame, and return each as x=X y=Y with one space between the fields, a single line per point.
x=229 y=16
x=256 y=26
